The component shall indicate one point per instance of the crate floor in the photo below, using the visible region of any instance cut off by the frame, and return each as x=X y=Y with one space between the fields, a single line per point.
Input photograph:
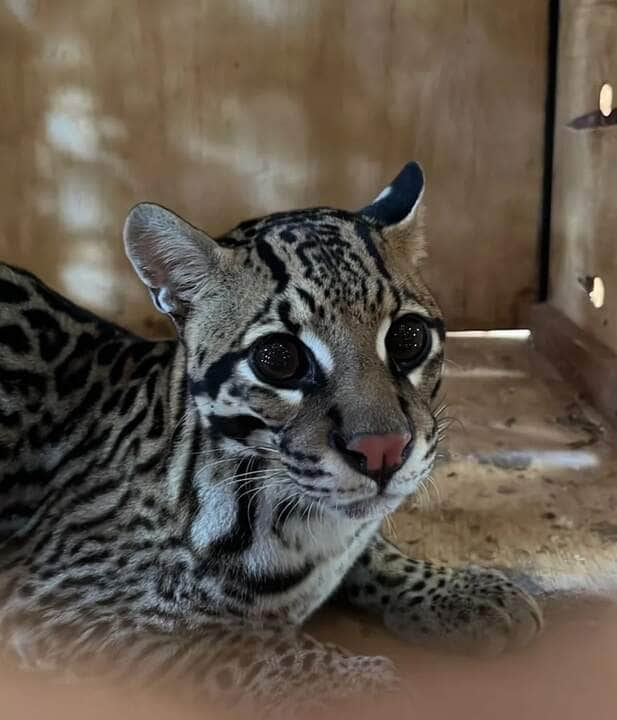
x=528 y=482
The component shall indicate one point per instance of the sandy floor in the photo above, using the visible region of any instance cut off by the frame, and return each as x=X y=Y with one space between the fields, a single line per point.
x=529 y=474
x=528 y=481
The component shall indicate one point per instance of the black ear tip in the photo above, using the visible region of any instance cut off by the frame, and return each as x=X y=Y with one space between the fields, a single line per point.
x=411 y=176
x=398 y=200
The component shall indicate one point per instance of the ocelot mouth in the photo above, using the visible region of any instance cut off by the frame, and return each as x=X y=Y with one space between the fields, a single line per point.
x=373 y=507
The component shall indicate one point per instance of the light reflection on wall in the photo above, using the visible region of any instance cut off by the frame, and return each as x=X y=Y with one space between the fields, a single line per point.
x=80 y=204
x=278 y=164
x=21 y=9
x=69 y=157
x=64 y=52
x=70 y=123
x=270 y=10
x=88 y=276
x=483 y=373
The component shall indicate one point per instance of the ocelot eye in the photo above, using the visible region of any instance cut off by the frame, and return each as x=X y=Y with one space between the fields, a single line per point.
x=408 y=342
x=279 y=359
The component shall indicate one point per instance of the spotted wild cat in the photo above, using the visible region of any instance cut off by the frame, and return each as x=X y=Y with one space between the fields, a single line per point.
x=188 y=504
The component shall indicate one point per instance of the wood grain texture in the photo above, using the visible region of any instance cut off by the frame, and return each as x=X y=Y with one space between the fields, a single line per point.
x=231 y=108
x=584 y=215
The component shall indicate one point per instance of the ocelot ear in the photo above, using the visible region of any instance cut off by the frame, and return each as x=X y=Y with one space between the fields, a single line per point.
x=171 y=257
x=398 y=212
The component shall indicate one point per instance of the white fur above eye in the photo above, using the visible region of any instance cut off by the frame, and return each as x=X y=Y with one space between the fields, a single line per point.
x=260 y=331
x=380 y=342
x=319 y=349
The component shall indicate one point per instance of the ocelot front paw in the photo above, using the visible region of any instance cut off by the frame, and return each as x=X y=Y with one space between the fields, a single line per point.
x=469 y=609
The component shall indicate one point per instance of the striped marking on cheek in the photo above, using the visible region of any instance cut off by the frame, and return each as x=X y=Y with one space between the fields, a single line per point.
x=293 y=397
x=319 y=349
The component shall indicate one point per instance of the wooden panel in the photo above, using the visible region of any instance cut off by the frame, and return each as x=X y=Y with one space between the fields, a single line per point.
x=230 y=108
x=590 y=366
x=584 y=217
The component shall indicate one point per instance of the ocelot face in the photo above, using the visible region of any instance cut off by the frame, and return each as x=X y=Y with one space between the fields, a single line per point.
x=311 y=342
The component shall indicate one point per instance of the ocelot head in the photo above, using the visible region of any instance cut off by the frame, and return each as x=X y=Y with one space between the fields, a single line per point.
x=310 y=341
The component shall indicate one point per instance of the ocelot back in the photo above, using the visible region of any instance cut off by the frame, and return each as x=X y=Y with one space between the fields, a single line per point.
x=189 y=504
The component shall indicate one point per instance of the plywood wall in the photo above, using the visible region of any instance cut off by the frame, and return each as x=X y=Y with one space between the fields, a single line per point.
x=584 y=218
x=230 y=108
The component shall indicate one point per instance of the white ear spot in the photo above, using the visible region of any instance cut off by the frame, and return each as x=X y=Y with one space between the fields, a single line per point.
x=380 y=342
x=319 y=349
x=383 y=194
x=396 y=206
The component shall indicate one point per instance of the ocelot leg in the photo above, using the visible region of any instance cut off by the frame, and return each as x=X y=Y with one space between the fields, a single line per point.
x=271 y=672
x=468 y=608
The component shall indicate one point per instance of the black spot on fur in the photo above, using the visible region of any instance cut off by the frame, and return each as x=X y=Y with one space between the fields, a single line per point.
x=15 y=339
x=275 y=264
x=238 y=427
x=217 y=374
x=111 y=402
x=108 y=352
x=71 y=375
x=157 y=424
x=129 y=399
x=414 y=601
x=128 y=359
x=364 y=231
x=51 y=338
x=307 y=298
x=390 y=581
x=284 y=310
x=30 y=385
x=436 y=389
x=353 y=591
x=11 y=293
x=335 y=415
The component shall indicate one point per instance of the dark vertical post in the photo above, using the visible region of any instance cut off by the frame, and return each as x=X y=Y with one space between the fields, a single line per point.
x=549 y=142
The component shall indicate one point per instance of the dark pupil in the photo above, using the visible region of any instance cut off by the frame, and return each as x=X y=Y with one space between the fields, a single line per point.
x=407 y=340
x=278 y=359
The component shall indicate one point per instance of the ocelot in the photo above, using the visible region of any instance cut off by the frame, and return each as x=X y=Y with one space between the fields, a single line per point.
x=188 y=504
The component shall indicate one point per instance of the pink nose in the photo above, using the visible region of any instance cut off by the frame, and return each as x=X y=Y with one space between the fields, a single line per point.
x=381 y=452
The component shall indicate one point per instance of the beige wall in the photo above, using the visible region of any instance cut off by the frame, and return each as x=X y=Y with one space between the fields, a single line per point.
x=230 y=108
x=584 y=218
